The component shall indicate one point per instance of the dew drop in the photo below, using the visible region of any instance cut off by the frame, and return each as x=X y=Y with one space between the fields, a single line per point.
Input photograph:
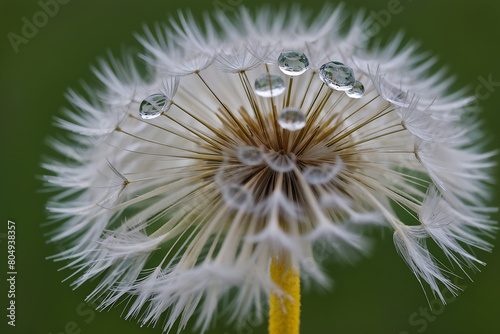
x=292 y=119
x=293 y=62
x=323 y=173
x=250 y=155
x=281 y=163
x=316 y=174
x=236 y=196
x=393 y=93
x=397 y=96
x=357 y=91
x=269 y=85
x=154 y=105
x=337 y=75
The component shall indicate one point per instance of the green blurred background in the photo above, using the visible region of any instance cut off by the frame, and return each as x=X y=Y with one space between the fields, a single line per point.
x=377 y=295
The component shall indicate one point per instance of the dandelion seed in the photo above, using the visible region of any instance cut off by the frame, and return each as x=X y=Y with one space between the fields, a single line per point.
x=218 y=175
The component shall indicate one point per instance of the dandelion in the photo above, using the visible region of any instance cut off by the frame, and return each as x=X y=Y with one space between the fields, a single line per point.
x=208 y=184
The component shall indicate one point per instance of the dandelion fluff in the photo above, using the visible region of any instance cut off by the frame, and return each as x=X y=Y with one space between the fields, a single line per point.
x=177 y=211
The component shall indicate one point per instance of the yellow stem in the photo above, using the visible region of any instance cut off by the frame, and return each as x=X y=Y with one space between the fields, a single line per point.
x=284 y=313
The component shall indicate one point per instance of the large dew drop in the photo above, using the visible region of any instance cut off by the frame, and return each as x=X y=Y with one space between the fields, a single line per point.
x=293 y=62
x=250 y=155
x=154 y=105
x=292 y=119
x=337 y=76
x=269 y=85
x=357 y=91
x=236 y=196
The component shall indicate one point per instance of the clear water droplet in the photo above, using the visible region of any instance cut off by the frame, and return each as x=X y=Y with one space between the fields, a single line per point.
x=292 y=119
x=250 y=155
x=236 y=196
x=357 y=91
x=337 y=75
x=397 y=96
x=154 y=105
x=293 y=62
x=281 y=163
x=316 y=174
x=392 y=93
x=269 y=85
x=323 y=173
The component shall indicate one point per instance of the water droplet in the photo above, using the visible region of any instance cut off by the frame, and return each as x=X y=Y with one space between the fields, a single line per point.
x=269 y=85
x=154 y=105
x=372 y=217
x=281 y=163
x=323 y=173
x=397 y=96
x=250 y=155
x=316 y=174
x=336 y=200
x=293 y=62
x=392 y=93
x=357 y=91
x=337 y=76
x=292 y=119
x=236 y=196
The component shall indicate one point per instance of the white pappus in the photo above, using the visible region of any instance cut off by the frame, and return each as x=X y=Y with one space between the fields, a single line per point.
x=254 y=135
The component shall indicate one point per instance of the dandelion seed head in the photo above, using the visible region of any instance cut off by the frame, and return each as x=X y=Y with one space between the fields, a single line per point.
x=263 y=135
